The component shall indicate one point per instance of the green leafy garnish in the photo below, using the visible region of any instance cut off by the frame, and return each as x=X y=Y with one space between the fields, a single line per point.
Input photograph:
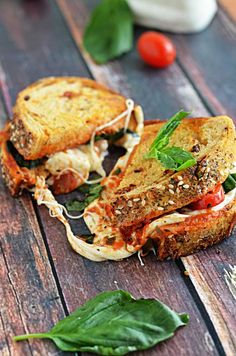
x=113 y=137
x=114 y=323
x=91 y=192
x=109 y=32
x=230 y=183
x=117 y=172
x=174 y=158
x=20 y=159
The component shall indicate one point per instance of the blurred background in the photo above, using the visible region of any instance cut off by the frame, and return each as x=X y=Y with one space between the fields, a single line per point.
x=41 y=38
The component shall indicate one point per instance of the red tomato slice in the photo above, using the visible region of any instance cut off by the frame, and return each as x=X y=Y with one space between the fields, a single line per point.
x=156 y=49
x=210 y=199
x=66 y=183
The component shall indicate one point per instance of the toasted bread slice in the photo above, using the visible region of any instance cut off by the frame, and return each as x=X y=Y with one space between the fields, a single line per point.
x=148 y=190
x=195 y=233
x=17 y=178
x=55 y=114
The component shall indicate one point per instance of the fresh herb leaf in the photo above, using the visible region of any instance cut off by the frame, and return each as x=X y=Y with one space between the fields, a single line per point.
x=117 y=172
x=20 y=159
x=174 y=158
x=114 y=136
x=182 y=159
x=109 y=32
x=163 y=136
x=75 y=205
x=114 y=323
x=91 y=192
x=230 y=183
x=166 y=160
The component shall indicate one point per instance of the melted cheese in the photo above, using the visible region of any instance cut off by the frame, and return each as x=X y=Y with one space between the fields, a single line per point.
x=229 y=197
x=100 y=250
x=89 y=158
x=79 y=160
x=94 y=219
x=95 y=251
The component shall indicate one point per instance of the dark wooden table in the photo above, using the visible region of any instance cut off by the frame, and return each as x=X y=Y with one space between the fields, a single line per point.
x=41 y=278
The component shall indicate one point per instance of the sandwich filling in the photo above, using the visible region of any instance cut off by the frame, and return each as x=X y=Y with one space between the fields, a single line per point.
x=133 y=239
x=65 y=171
x=95 y=251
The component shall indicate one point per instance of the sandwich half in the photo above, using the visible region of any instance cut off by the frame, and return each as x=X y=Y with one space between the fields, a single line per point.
x=60 y=131
x=179 y=210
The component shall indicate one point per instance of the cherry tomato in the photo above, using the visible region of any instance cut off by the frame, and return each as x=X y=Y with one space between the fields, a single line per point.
x=156 y=49
x=210 y=199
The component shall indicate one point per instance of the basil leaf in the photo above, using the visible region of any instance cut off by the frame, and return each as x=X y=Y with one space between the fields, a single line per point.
x=91 y=192
x=114 y=323
x=230 y=183
x=114 y=136
x=191 y=162
x=109 y=32
x=166 y=131
x=75 y=205
x=166 y=160
x=174 y=158
x=182 y=159
x=233 y=175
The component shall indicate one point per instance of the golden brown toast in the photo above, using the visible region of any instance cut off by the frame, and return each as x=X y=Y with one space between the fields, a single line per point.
x=195 y=233
x=17 y=178
x=148 y=190
x=55 y=114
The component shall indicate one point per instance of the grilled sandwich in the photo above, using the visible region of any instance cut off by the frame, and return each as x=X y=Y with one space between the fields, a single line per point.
x=60 y=131
x=179 y=210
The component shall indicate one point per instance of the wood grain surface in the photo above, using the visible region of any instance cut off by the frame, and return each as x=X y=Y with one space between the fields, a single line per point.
x=184 y=94
x=230 y=7
x=29 y=298
x=41 y=39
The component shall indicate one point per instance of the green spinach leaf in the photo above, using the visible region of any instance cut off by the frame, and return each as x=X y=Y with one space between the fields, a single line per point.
x=113 y=137
x=91 y=192
x=114 y=323
x=20 y=159
x=230 y=183
x=109 y=32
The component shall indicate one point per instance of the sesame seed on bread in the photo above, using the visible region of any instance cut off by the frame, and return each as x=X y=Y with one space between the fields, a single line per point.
x=148 y=190
x=195 y=233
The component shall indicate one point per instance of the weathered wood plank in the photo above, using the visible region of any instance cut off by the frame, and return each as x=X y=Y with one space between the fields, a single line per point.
x=71 y=268
x=230 y=7
x=79 y=278
x=207 y=270
x=208 y=58
x=145 y=82
x=29 y=299
x=136 y=73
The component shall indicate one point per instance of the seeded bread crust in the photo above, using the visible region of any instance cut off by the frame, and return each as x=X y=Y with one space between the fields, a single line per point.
x=147 y=190
x=58 y=113
x=194 y=234
x=17 y=178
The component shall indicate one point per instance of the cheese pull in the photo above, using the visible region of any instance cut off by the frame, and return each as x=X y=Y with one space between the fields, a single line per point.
x=181 y=16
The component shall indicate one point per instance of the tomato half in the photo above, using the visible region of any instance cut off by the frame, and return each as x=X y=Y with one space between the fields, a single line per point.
x=210 y=199
x=156 y=49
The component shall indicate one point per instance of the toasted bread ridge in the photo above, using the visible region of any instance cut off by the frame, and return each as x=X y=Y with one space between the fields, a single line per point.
x=199 y=232
x=55 y=114
x=148 y=190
